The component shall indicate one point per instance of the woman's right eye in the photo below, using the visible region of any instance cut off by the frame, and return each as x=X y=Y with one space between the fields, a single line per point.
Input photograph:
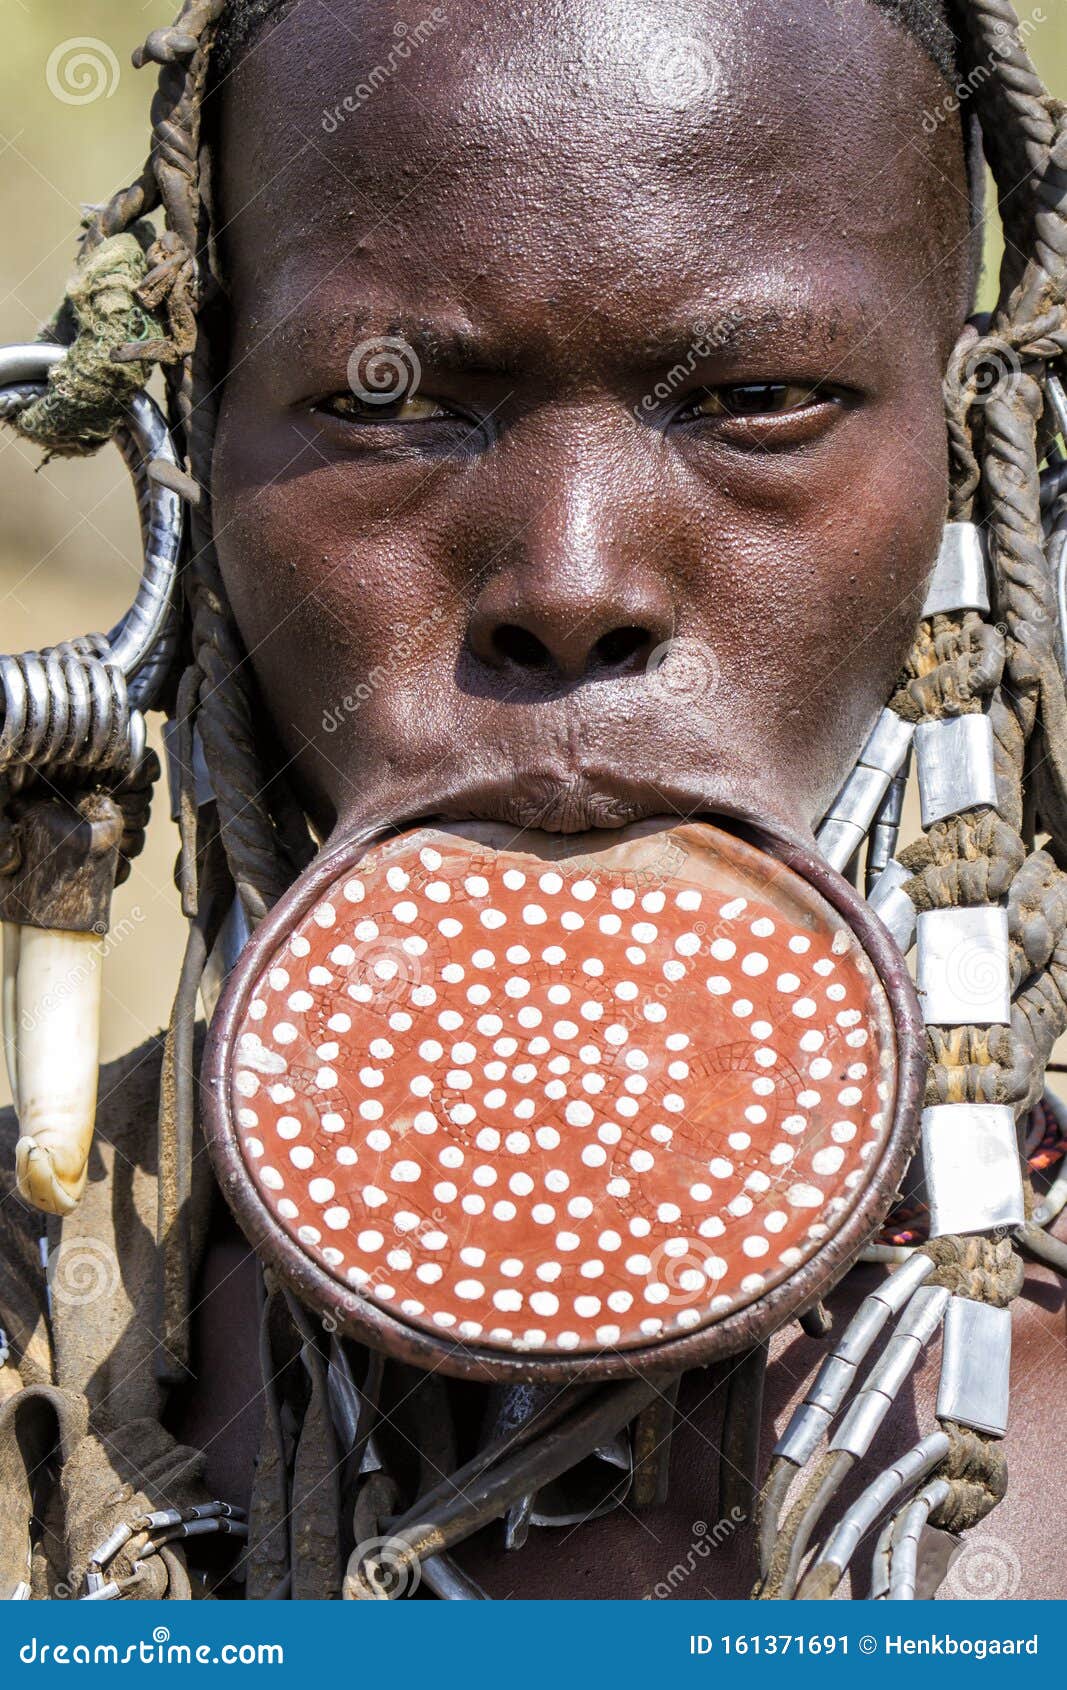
x=349 y=407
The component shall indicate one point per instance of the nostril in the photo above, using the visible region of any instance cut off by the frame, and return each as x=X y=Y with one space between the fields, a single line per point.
x=620 y=646
x=517 y=645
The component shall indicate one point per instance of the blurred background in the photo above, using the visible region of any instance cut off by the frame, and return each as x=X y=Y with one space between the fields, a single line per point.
x=74 y=128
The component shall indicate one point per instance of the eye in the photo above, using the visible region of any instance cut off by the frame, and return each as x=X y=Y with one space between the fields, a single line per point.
x=415 y=409
x=756 y=399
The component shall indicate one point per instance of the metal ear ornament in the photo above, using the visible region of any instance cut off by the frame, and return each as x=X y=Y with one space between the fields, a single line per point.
x=72 y=733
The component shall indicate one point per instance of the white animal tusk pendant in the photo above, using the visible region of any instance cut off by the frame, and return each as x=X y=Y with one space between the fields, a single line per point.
x=55 y=910
x=56 y=1044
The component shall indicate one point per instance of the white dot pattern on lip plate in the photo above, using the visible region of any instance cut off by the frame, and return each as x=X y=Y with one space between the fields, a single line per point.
x=541 y=1109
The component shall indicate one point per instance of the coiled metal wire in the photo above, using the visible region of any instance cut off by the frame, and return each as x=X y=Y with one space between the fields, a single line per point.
x=78 y=705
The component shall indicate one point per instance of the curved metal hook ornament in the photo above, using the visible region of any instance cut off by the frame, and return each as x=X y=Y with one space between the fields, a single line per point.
x=76 y=707
x=142 y=642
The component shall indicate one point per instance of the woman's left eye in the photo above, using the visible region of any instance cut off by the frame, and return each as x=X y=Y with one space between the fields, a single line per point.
x=415 y=409
x=756 y=399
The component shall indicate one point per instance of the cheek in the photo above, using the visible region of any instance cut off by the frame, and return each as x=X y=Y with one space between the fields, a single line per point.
x=821 y=589
x=337 y=629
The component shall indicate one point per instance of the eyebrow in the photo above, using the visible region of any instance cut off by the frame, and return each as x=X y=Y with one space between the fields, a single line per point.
x=436 y=344
x=698 y=334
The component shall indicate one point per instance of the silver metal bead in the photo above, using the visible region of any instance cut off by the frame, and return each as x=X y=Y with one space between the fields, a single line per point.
x=862 y=1330
x=964 y=972
x=891 y=904
x=838 y=842
x=888 y=743
x=959 y=580
x=975 y=1366
x=900 y=1286
x=893 y=1365
x=924 y=1313
x=971 y=1162
x=857 y=1430
x=842 y=1543
x=906 y=1537
x=955 y=763
x=852 y=812
x=860 y=797
x=832 y=1384
x=801 y=1437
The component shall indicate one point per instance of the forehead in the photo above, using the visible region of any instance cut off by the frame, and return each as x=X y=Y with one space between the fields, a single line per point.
x=566 y=149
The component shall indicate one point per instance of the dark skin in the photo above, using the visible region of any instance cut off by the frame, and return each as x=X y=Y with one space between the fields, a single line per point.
x=553 y=247
x=555 y=223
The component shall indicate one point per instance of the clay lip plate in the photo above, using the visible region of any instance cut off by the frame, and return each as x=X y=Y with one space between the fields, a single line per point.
x=556 y=1108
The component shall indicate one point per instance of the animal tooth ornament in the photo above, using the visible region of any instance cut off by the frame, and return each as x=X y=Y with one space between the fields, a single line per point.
x=73 y=774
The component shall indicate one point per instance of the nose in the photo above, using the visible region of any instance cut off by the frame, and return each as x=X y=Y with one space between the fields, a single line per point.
x=578 y=596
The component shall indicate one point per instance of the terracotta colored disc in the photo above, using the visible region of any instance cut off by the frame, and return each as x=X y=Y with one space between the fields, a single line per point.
x=563 y=1106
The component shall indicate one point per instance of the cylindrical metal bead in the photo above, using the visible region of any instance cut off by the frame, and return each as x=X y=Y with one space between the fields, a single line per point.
x=959 y=578
x=972 y=1168
x=924 y=1313
x=852 y=812
x=964 y=973
x=896 y=1289
x=892 y=905
x=857 y=1430
x=831 y=1384
x=862 y=1330
x=839 y=841
x=975 y=1366
x=893 y=1365
x=801 y=1437
x=955 y=764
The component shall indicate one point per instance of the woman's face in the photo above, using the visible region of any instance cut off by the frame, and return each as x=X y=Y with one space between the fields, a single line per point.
x=661 y=295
